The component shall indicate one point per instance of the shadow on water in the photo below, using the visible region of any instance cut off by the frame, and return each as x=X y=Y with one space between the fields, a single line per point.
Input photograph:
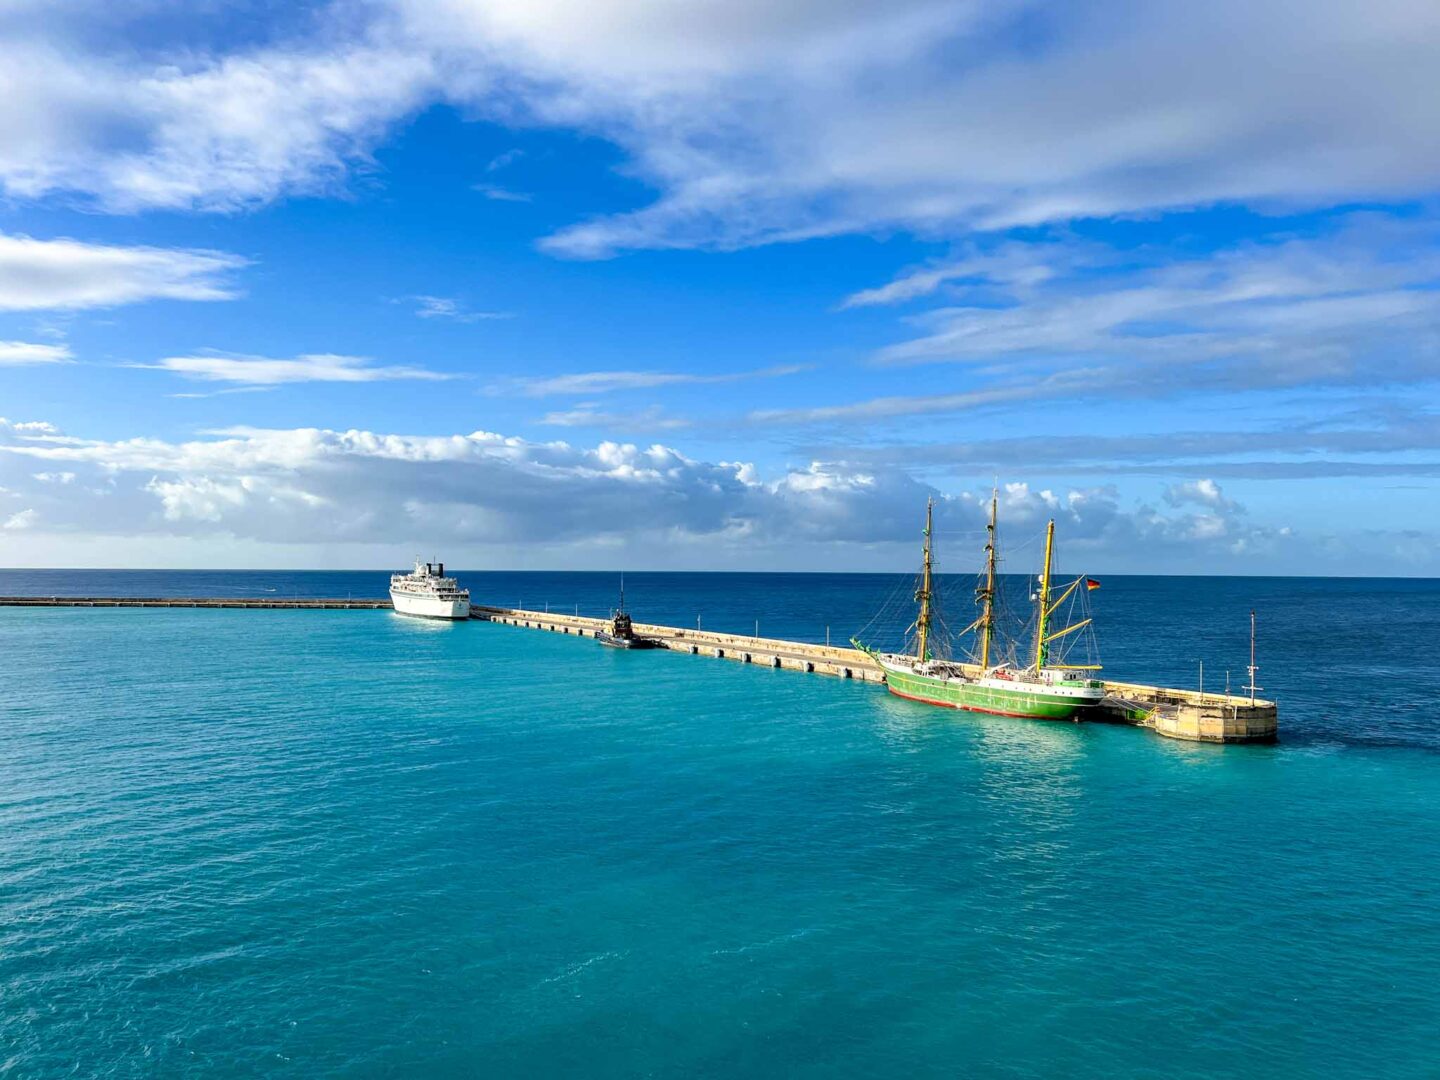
x=412 y=624
x=997 y=739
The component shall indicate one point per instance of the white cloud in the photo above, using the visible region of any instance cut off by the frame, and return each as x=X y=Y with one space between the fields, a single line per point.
x=587 y=415
x=500 y=161
x=1205 y=492
x=760 y=122
x=1297 y=303
x=496 y=193
x=25 y=519
x=605 y=382
x=261 y=371
x=908 y=287
x=799 y=120
x=316 y=486
x=181 y=128
x=202 y=395
x=316 y=493
x=893 y=406
x=1009 y=265
x=56 y=274
x=29 y=428
x=444 y=307
x=1385 y=438
x=16 y=353
x=1066 y=319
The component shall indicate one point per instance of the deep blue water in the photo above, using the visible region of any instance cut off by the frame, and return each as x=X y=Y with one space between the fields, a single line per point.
x=300 y=843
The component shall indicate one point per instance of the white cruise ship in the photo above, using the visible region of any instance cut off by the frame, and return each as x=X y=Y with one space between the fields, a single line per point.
x=427 y=591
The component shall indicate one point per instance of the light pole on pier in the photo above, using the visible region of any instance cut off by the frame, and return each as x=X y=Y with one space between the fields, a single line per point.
x=1253 y=668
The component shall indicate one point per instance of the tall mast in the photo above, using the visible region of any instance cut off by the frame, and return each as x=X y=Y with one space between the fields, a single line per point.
x=1043 y=623
x=622 y=590
x=987 y=619
x=923 y=595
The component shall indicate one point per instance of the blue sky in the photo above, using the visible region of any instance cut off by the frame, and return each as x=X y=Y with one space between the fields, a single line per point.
x=719 y=285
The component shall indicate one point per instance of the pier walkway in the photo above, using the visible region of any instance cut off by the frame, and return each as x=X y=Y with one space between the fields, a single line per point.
x=766 y=652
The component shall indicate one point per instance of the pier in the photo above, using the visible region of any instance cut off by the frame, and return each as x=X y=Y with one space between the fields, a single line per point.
x=1174 y=713
x=766 y=652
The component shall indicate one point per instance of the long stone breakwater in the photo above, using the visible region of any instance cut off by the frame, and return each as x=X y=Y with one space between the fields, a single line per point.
x=1174 y=713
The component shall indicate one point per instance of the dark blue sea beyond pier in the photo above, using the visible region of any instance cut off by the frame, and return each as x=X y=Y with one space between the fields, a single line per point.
x=297 y=843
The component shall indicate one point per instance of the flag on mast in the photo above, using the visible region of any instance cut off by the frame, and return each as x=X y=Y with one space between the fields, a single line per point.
x=1091 y=584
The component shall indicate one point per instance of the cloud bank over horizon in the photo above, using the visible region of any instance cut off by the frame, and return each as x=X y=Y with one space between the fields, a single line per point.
x=349 y=495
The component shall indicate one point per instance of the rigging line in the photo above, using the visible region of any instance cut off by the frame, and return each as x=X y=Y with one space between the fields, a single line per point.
x=886 y=609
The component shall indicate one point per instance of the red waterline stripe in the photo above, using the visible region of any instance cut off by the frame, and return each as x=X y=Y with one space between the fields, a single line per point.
x=965 y=708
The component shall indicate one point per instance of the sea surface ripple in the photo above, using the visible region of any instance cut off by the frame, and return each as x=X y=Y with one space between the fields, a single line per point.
x=294 y=843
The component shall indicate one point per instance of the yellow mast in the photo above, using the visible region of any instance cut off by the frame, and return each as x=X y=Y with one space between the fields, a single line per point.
x=987 y=619
x=923 y=595
x=1044 y=599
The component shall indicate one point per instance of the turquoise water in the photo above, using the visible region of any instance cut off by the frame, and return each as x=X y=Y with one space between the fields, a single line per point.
x=296 y=843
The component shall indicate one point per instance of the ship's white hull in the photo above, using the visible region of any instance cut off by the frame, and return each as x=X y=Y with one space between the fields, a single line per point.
x=430 y=607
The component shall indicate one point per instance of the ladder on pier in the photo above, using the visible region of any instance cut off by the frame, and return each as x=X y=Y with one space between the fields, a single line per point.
x=1132 y=709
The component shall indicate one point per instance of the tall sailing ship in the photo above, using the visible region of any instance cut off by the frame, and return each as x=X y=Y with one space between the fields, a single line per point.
x=1046 y=688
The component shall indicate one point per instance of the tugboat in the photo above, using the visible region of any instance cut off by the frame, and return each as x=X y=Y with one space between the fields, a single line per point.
x=621 y=634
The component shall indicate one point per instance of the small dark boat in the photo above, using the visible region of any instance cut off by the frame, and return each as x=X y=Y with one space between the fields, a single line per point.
x=621 y=634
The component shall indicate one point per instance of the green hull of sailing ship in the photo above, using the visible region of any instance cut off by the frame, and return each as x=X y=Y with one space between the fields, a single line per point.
x=1042 y=691
x=1064 y=701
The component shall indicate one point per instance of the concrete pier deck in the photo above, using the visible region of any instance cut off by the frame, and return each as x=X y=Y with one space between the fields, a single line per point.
x=843 y=663
x=1174 y=713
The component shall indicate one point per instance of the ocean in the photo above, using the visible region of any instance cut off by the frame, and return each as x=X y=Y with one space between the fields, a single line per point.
x=300 y=843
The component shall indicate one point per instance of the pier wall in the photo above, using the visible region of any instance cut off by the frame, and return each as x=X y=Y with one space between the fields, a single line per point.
x=1215 y=722
x=1197 y=717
